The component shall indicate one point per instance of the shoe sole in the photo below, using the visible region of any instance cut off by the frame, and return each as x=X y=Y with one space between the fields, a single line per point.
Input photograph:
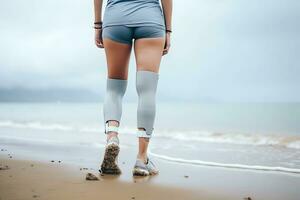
x=109 y=165
x=140 y=172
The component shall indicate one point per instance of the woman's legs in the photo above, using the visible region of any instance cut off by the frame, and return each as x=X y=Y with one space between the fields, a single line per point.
x=148 y=54
x=117 y=57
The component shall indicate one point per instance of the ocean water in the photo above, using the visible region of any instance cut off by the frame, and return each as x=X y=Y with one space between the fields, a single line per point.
x=252 y=136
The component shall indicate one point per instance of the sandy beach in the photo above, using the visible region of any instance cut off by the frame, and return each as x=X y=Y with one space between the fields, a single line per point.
x=55 y=179
x=22 y=179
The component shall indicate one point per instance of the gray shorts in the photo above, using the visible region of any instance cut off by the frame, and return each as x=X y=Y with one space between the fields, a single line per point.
x=125 y=34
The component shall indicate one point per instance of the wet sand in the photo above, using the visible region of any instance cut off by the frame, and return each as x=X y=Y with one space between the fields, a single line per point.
x=37 y=180
x=29 y=177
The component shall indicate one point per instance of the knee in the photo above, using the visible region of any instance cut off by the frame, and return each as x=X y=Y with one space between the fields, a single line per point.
x=146 y=82
x=116 y=86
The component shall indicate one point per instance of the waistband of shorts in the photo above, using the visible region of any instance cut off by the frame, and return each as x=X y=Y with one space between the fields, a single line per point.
x=134 y=25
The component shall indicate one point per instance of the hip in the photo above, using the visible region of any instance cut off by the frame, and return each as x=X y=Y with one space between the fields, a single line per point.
x=125 y=34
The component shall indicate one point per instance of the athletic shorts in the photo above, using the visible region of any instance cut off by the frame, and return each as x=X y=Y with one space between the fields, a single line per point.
x=125 y=34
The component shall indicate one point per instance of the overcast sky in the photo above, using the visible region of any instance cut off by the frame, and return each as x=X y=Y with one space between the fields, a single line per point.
x=222 y=50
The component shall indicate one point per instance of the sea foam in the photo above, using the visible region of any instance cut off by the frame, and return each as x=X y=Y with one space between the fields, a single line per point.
x=226 y=165
x=287 y=141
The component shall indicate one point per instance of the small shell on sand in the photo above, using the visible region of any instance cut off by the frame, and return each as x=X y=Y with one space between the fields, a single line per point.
x=91 y=177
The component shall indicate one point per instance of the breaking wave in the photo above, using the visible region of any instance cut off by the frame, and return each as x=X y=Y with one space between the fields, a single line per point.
x=287 y=141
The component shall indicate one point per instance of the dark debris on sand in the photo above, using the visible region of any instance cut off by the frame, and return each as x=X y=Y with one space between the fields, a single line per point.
x=4 y=167
x=186 y=176
x=247 y=198
x=59 y=161
x=91 y=177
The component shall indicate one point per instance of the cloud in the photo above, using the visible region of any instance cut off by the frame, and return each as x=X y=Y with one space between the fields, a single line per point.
x=221 y=50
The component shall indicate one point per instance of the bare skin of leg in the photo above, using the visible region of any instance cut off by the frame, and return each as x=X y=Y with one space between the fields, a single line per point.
x=117 y=57
x=148 y=54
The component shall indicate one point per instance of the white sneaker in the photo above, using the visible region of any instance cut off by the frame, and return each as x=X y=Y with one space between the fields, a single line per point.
x=144 y=169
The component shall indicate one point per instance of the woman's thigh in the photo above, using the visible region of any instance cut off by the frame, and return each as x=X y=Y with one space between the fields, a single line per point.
x=148 y=51
x=117 y=56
